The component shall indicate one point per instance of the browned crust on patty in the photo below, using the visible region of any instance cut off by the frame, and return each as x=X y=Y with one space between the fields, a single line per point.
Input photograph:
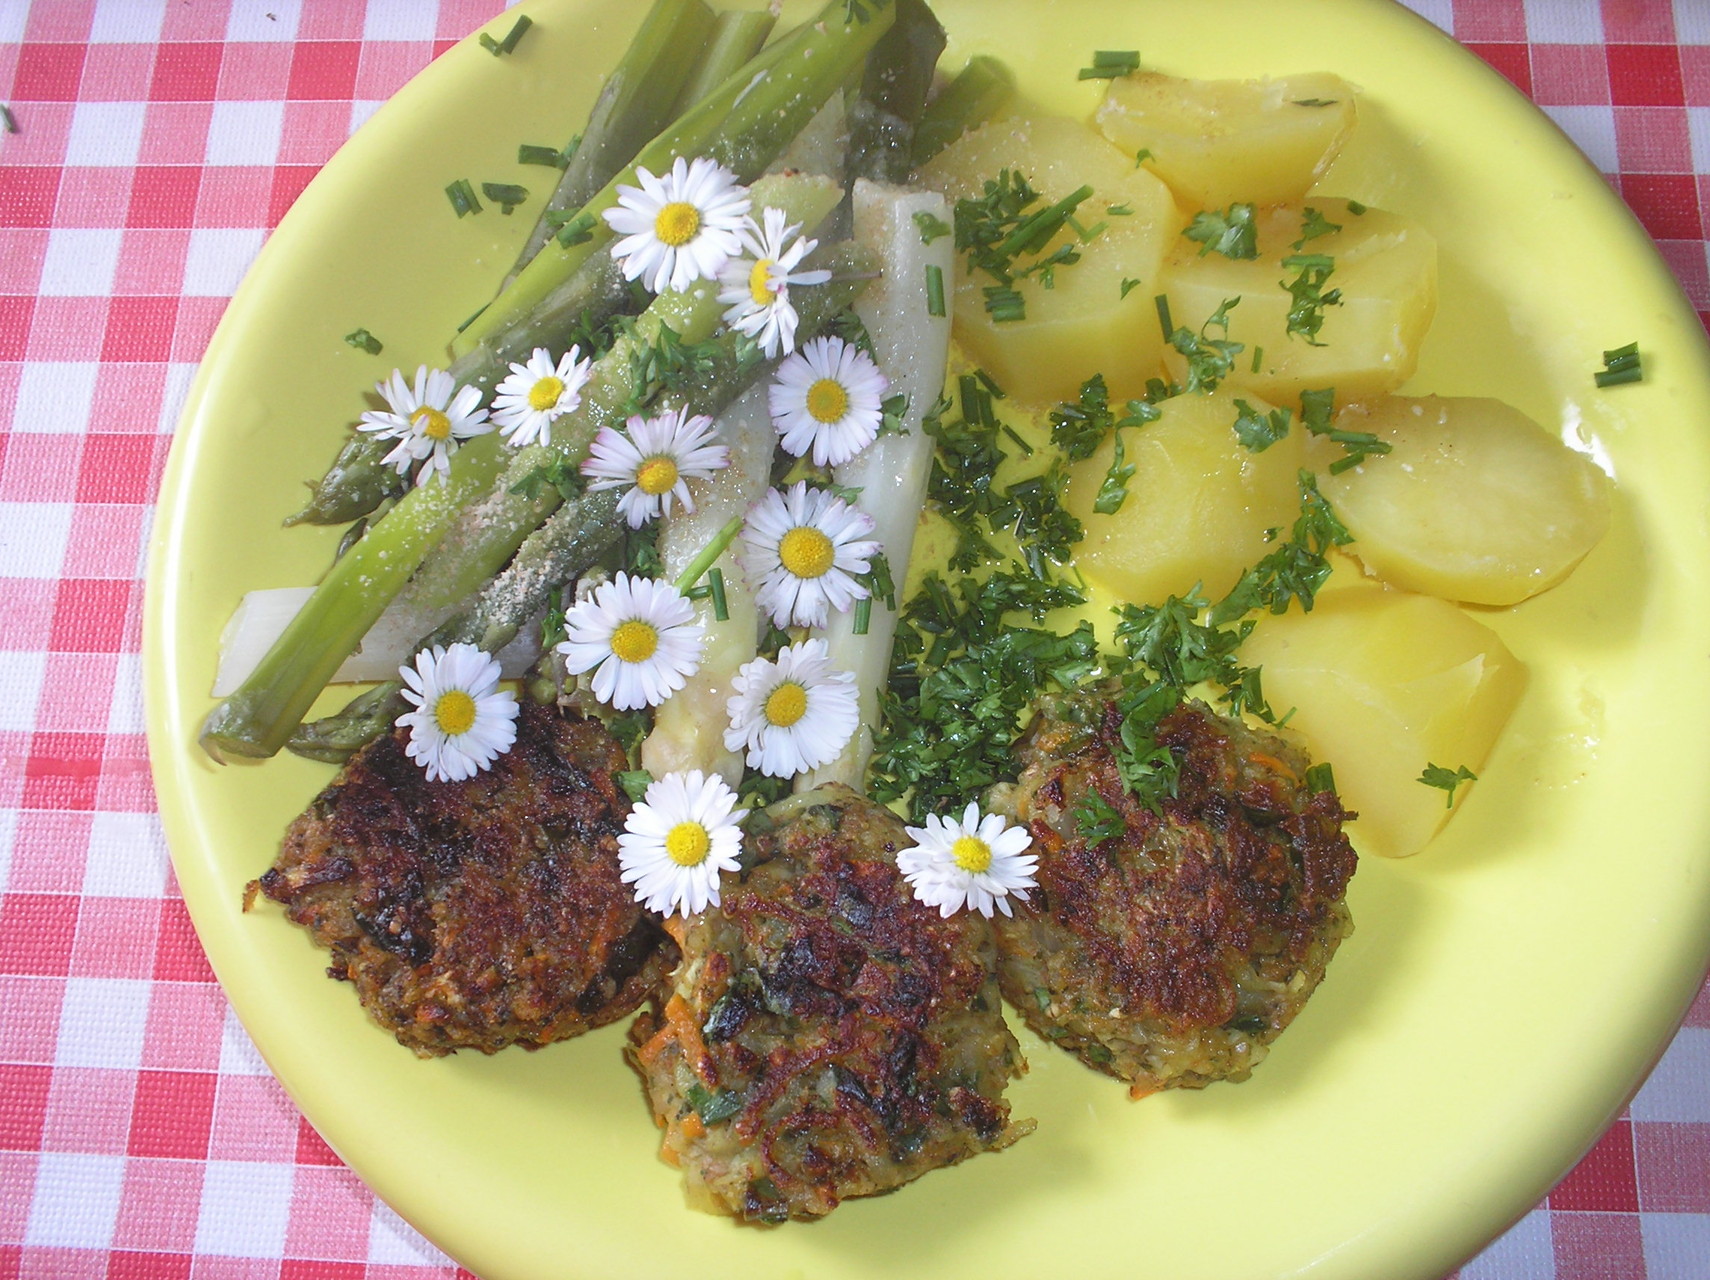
x=482 y=913
x=1172 y=952
x=828 y=1036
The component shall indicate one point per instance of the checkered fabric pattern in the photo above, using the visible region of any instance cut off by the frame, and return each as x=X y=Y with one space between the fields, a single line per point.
x=156 y=145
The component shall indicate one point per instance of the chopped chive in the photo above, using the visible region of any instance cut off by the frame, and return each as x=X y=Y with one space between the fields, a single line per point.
x=934 y=289
x=1162 y=302
x=10 y=119
x=548 y=157
x=462 y=197
x=364 y=341
x=997 y=392
x=473 y=317
x=1315 y=102
x=720 y=606
x=931 y=227
x=1356 y=208
x=1026 y=449
x=1128 y=286
x=1258 y=355
x=1004 y=303
x=1620 y=366
x=509 y=43
x=1119 y=210
x=578 y=229
x=863 y=615
x=507 y=195
x=1107 y=64
x=1320 y=777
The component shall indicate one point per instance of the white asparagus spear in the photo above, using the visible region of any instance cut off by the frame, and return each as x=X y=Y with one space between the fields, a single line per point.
x=912 y=347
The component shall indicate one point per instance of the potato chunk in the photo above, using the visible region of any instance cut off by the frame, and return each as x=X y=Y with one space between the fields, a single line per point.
x=1475 y=501
x=1385 y=267
x=1384 y=683
x=1219 y=141
x=1086 y=322
x=1198 y=506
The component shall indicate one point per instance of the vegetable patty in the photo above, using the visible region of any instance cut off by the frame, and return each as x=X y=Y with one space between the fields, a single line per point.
x=482 y=913
x=1170 y=948
x=827 y=1035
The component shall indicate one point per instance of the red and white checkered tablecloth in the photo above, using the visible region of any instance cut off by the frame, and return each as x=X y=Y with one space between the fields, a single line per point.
x=157 y=142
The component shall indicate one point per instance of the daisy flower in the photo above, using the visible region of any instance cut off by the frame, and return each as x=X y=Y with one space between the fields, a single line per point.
x=793 y=714
x=678 y=228
x=527 y=402
x=804 y=550
x=428 y=420
x=976 y=862
x=462 y=720
x=637 y=636
x=657 y=459
x=828 y=397
x=756 y=286
x=678 y=839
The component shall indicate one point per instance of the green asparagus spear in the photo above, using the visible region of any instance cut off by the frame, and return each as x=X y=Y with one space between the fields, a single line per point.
x=358 y=480
x=743 y=125
x=635 y=104
x=576 y=535
x=893 y=93
x=979 y=92
x=738 y=35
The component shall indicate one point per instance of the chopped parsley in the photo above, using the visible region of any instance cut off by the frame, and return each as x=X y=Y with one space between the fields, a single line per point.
x=1447 y=780
x=1097 y=819
x=1306 y=314
x=1259 y=431
x=1002 y=226
x=1314 y=224
x=931 y=226
x=1317 y=409
x=1209 y=359
x=1233 y=233
x=634 y=783
x=362 y=340
x=1294 y=569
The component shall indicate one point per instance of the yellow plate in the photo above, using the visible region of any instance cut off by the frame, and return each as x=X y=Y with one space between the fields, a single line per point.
x=1506 y=990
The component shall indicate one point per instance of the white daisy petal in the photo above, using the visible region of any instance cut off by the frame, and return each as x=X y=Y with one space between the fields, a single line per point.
x=828 y=399
x=804 y=552
x=793 y=714
x=462 y=721
x=969 y=862
x=678 y=839
x=656 y=460
x=755 y=287
x=537 y=393
x=639 y=638
x=679 y=227
x=428 y=419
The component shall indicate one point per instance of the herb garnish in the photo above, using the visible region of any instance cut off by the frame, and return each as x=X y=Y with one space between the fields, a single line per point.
x=462 y=197
x=1259 y=431
x=364 y=341
x=1107 y=64
x=1317 y=409
x=1306 y=315
x=509 y=43
x=1001 y=226
x=549 y=157
x=507 y=195
x=931 y=226
x=1209 y=359
x=1233 y=233
x=1447 y=780
x=1620 y=365
x=1314 y=224
x=1294 y=569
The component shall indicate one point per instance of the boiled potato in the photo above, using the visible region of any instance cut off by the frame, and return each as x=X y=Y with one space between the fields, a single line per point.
x=1474 y=502
x=1199 y=502
x=1087 y=322
x=1219 y=141
x=1384 y=683
x=1385 y=267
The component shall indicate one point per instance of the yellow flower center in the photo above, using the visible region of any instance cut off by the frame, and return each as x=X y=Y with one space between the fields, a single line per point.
x=786 y=704
x=454 y=713
x=971 y=853
x=543 y=395
x=760 y=283
x=827 y=401
x=656 y=475
x=677 y=223
x=431 y=423
x=687 y=844
x=634 y=641
x=806 y=552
